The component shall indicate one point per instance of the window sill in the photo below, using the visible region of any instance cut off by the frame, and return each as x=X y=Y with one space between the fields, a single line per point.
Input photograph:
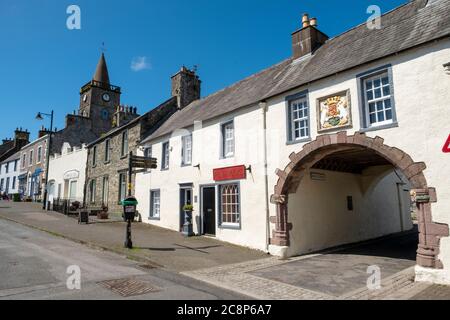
x=154 y=219
x=164 y=169
x=106 y=162
x=123 y=157
x=299 y=141
x=186 y=165
x=230 y=227
x=382 y=127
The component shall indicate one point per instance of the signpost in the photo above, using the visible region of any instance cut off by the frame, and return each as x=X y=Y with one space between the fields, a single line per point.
x=130 y=203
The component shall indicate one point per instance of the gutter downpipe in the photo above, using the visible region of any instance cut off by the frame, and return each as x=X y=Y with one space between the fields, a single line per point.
x=263 y=106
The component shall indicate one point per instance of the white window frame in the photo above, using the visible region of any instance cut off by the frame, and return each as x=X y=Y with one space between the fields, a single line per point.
x=30 y=163
x=228 y=141
x=165 y=158
x=379 y=76
x=24 y=160
x=237 y=212
x=39 y=154
x=92 y=190
x=94 y=156
x=105 y=190
x=107 y=151
x=299 y=112
x=186 y=150
x=155 y=206
x=124 y=148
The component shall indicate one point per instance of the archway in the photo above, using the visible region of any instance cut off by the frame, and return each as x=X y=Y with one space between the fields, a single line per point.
x=318 y=152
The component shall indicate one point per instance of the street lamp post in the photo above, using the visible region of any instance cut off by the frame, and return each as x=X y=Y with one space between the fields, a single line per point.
x=40 y=117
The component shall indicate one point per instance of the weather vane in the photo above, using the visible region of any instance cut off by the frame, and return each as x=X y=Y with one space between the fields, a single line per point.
x=103 y=48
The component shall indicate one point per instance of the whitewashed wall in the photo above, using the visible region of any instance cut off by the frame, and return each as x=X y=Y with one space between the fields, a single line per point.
x=12 y=172
x=69 y=165
x=421 y=93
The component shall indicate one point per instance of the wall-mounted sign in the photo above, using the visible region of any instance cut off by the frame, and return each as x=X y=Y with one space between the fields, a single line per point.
x=334 y=111
x=73 y=174
x=446 y=148
x=230 y=173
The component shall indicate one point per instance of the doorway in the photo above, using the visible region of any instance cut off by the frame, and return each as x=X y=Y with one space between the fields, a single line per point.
x=185 y=199
x=209 y=210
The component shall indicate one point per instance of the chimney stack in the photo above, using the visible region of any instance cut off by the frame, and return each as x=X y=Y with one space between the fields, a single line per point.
x=21 y=137
x=186 y=87
x=308 y=39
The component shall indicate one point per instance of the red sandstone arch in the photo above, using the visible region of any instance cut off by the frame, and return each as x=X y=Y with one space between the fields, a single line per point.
x=325 y=145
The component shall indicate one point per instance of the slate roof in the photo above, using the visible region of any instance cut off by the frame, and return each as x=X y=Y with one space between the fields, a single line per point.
x=6 y=147
x=405 y=27
x=15 y=156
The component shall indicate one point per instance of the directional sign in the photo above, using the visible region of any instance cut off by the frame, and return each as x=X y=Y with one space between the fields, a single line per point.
x=143 y=162
x=446 y=148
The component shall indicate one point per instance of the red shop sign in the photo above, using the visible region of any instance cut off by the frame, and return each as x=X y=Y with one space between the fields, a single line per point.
x=446 y=148
x=231 y=173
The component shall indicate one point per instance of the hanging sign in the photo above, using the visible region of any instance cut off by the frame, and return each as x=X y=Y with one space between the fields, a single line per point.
x=230 y=173
x=446 y=148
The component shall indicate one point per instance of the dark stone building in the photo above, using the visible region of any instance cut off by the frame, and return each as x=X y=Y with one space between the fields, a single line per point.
x=12 y=146
x=107 y=165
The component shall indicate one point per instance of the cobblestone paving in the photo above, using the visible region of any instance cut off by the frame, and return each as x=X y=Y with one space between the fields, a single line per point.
x=400 y=286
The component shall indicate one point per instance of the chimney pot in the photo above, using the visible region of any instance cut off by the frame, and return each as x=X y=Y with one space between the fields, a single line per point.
x=305 y=20
x=313 y=22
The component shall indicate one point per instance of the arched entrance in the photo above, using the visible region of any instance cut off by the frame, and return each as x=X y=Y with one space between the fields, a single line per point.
x=365 y=151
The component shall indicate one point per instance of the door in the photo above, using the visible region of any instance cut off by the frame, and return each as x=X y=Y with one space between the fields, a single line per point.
x=73 y=190
x=185 y=198
x=209 y=210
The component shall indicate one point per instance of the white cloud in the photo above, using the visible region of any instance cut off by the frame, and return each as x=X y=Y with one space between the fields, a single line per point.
x=140 y=63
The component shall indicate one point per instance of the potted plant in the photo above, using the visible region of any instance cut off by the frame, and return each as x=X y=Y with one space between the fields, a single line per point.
x=187 y=227
x=103 y=215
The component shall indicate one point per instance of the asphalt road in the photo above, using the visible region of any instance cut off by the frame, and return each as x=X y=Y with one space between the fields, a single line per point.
x=34 y=265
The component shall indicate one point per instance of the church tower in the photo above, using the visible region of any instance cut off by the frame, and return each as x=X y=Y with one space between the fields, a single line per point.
x=98 y=99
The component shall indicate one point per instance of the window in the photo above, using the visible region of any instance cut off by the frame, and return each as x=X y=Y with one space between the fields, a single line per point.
x=24 y=160
x=298 y=119
x=107 y=150
x=165 y=156
x=39 y=154
x=73 y=190
x=7 y=185
x=228 y=140
x=124 y=151
x=13 y=183
x=6 y=167
x=229 y=205
x=105 y=190
x=94 y=156
x=122 y=186
x=15 y=165
x=1 y=184
x=186 y=150
x=148 y=152
x=31 y=158
x=155 y=204
x=92 y=190
x=378 y=103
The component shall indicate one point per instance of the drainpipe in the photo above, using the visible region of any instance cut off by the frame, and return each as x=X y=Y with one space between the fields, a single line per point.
x=263 y=106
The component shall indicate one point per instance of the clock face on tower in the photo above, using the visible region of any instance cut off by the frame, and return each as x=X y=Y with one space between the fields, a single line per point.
x=106 y=97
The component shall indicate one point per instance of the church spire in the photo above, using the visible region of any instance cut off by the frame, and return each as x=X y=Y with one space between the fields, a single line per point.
x=101 y=73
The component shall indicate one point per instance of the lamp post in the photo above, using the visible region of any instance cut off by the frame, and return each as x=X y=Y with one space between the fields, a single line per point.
x=47 y=164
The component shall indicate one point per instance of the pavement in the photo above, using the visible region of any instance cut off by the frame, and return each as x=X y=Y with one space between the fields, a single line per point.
x=156 y=246
x=224 y=270
x=34 y=265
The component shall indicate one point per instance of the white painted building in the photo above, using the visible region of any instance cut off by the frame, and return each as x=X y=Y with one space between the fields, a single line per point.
x=324 y=149
x=67 y=174
x=9 y=175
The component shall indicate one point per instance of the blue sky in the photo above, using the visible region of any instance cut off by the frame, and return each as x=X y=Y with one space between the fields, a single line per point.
x=43 y=64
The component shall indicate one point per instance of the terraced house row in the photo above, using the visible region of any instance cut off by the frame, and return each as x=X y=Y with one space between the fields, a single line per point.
x=337 y=144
